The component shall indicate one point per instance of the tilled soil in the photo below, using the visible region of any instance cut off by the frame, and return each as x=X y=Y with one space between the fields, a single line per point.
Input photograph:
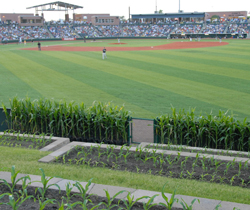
x=170 y=46
x=54 y=194
x=175 y=166
x=24 y=142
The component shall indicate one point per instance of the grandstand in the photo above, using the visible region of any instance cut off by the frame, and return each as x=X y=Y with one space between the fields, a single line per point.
x=10 y=32
x=171 y=25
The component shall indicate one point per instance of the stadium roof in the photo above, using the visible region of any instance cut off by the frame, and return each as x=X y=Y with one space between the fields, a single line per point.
x=58 y=4
x=170 y=15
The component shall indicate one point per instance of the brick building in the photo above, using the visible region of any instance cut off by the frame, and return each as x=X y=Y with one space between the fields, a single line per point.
x=23 y=19
x=98 y=19
x=227 y=14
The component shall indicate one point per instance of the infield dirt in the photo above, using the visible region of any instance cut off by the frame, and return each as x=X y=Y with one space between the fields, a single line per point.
x=171 y=46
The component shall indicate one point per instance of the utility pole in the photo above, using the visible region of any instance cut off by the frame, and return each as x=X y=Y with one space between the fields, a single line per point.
x=129 y=14
x=179 y=5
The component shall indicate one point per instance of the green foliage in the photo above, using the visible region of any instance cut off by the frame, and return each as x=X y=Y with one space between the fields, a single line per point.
x=186 y=206
x=220 y=132
x=130 y=202
x=169 y=202
x=45 y=181
x=97 y=123
x=14 y=180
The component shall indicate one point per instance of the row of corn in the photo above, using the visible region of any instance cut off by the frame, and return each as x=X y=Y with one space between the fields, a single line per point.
x=220 y=131
x=98 y=123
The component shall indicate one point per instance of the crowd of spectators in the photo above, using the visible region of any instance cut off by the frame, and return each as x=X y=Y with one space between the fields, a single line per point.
x=88 y=31
x=110 y=31
x=146 y=30
x=65 y=31
x=15 y=32
x=187 y=29
x=238 y=28
x=237 y=20
x=214 y=29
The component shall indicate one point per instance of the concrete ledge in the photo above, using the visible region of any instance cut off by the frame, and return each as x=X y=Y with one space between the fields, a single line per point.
x=98 y=189
x=233 y=152
x=201 y=155
x=205 y=204
x=57 y=143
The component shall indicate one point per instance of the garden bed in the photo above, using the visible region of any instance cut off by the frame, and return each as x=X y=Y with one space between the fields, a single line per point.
x=24 y=141
x=141 y=160
x=54 y=194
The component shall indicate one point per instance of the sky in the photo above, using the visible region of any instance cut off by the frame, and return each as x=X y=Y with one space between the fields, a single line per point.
x=120 y=8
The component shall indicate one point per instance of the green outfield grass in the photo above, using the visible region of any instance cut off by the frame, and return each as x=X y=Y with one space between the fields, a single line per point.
x=147 y=82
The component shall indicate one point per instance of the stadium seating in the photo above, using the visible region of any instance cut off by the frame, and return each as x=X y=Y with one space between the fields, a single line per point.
x=61 y=30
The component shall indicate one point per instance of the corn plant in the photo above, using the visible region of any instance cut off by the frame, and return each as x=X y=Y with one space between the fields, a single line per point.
x=45 y=181
x=15 y=204
x=169 y=202
x=99 y=122
x=186 y=206
x=109 y=205
x=130 y=202
x=14 y=180
x=149 y=204
x=220 y=131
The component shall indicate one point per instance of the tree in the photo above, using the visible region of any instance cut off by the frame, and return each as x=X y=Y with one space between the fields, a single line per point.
x=160 y=11
x=122 y=18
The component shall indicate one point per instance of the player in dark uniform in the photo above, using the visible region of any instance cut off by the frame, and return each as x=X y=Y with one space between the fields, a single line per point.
x=104 y=53
x=39 y=46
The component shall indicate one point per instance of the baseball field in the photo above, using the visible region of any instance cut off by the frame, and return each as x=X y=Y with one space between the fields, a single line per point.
x=147 y=76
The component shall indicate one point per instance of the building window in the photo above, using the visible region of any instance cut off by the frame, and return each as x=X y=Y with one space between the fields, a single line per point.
x=112 y=20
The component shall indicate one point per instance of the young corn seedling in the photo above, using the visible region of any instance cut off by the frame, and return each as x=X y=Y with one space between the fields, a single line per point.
x=169 y=202
x=149 y=204
x=15 y=204
x=109 y=205
x=14 y=180
x=203 y=176
x=188 y=207
x=227 y=168
x=130 y=202
x=43 y=204
x=45 y=184
x=190 y=174
x=240 y=166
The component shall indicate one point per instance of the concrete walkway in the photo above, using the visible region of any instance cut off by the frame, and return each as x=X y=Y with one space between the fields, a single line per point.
x=98 y=189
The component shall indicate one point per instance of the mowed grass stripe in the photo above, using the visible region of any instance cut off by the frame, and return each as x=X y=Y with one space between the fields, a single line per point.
x=229 y=51
x=149 y=98
x=53 y=84
x=204 y=57
x=207 y=93
x=158 y=58
x=184 y=73
x=12 y=86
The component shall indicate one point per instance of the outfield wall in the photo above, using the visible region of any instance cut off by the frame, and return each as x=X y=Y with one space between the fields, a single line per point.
x=172 y=36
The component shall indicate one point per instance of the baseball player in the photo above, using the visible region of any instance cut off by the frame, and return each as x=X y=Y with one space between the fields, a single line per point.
x=104 y=53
